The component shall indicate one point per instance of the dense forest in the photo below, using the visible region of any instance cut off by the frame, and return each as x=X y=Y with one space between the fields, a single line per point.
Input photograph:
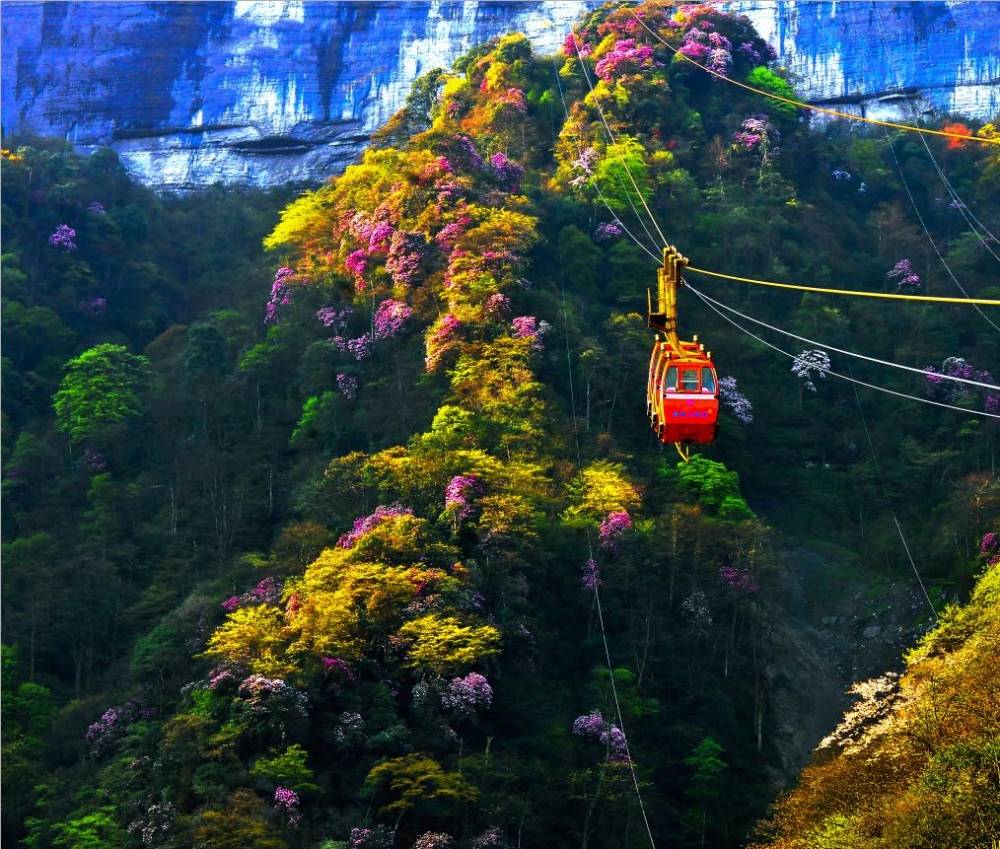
x=332 y=517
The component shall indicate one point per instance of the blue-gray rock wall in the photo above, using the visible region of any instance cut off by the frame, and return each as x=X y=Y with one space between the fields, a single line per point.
x=265 y=93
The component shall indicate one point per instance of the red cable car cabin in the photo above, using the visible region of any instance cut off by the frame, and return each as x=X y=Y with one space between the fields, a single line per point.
x=683 y=394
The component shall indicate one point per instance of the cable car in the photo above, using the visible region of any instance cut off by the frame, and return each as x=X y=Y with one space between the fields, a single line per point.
x=682 y=390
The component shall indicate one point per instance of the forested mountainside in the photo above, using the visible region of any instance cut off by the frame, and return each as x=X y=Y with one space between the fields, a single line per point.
x=359 y=537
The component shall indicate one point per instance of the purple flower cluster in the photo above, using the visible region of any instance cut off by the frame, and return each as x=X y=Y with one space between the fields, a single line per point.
x=903 y=272
x=460 y=494
x=757 y=133
x=154 y=825
x=594 y=727
x=221 y=676
x=492 y=838
x=446 y=327
x=810 y=364
x=63 y=238
x=508 y=172
x=281 y=293
x=334 y=317
x=347 y=384
x=608 y=231
x=626 y=57
x=380 y=237
x=451 y=233
x=113 y=720
x=379 y=837
x=591 y=575
x=586 y=161
x=497 y=306
x=339 y=666
x=612 y=528
x=364 y=524
x=464 y=696
x=265 y=591
x=390 y=317
x=574 y=45
x=105 y=726
x=359 y=348
x=989 y=546
x=287 y=802
x=737 y=579
x=406 y=250
x=529 y=327
x=712 y=49
x=951 y=390
x=756 y=56
x=468 y=149
x=736 y=402
x=434 y=840
x=265 y=695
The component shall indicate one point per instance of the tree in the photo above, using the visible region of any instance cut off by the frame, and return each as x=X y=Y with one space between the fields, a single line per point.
x=101 y=389
x=414 y=778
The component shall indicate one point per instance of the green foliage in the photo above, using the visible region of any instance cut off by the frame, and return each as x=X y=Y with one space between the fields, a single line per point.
x=713 y=485
x=764 y=78
x=96 y=830
x=287 y=769
x=622 y=175
x=416 y=778
x=101 y=389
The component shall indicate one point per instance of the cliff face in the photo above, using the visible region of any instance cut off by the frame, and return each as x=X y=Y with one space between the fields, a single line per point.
x=265 y=93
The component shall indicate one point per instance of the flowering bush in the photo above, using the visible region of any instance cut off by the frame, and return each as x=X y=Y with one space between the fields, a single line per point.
x=441 y=338
x=696 y=611
x=574 y=45
x=594 y=727
x=591 y=575
x=989 y=547
x=497 y=306
x=509 y=172
x=608 y=231
x=810 y=364
x=378 y=837
x=951 y=390
x=612 y=528
x=736 y=402
x=903 y=272
x=154 y=824
x=347 y=384
x=464 y=696
x=349 y=728
x=287 y=802
x=758 y=135
x=390 y=317
x=459 y=495
x=335 y=317
x=434 y=840
x=529 y=327
x=272 y=695
x=265 y=591
x=406 y=250
x=626 y=57
x=339 y=666
x=363 y=524
x=63 y=238
x=281 y=293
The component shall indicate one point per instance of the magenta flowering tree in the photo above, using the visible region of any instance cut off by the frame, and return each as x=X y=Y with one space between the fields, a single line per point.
x=286 y=801
x=735 y=401
x=347 y=385
x=989 y=547
x=460 y=495
x=608 y=231
x=941 y=388
x=497 y=306
x=338 y=666
x=595 y=728
x=441 y=338
x=591 y=579
x=281 y=293
x=363 y=524
x=356 y=263
x=359 y=348
x=740 y=581
x=758 y=135
x=492 y=838
x=390 y=317
x=508 y=172
x=221 y=677
x=626 y=57
x=613 y=528
x=434 y=840
x=574 y=45
x=378 y=837
x=335 y=318
x=64 y=238
x=903 y=273
x=529 y=327
x=448 y=235
x=265 y=591
x=406 y=251
x=465 y=696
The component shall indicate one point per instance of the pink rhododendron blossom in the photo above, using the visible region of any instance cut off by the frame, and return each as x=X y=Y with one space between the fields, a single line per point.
x=466 y=695
x=612 y=528
x=364 y=524
x=63 y=238
x=390 y=317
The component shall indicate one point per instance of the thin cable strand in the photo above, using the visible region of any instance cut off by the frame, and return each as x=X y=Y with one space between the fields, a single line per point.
x=919 y=371
x=844 y=376
x=801 y=104
x=802 y=287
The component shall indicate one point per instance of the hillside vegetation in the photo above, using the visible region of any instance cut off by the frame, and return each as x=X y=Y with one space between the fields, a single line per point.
x=385 y=555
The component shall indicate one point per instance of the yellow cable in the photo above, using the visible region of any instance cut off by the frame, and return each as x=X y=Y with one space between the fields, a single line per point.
x=802 y=104
x=986 y=302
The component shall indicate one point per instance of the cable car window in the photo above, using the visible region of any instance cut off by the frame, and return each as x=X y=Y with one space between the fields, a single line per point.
x=671 y=378
x=689 y=380
x=707 y=380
